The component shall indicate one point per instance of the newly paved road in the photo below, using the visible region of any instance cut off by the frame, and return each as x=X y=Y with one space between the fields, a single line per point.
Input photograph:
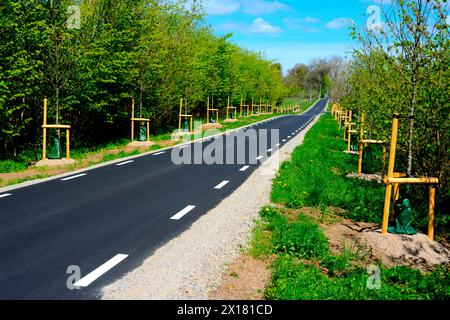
x=117 y=214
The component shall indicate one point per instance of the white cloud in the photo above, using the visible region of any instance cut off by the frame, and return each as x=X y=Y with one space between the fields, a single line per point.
x=221 y=7
x=306 y=24
x=261 y=7
x=259 y=25
x=382 y=2
x=339 y=23
x=311 y=20
x=231 y=26
x=252 y=7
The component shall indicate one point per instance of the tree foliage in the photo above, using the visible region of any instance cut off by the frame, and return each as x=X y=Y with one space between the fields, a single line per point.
x=315 y=79
x=156 y=51
x=403 y=67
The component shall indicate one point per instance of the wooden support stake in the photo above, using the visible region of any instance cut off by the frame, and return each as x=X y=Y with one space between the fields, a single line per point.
x=396 y=191
x=345 y=125
x=44 y=142
x=361 y=146
x=207 y=112
x=132 y=121
x=431 y=213
x=179 y=117
x=240 y=110
x=228 y=108
x=68 y=144
x=423 y=180
x=390 y=174
x=349 y=138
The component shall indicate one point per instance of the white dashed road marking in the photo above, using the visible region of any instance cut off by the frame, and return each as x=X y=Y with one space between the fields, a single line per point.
x=124 y=163
x=183 y=212
x=94 y=275
x=222 y=184
x=74 y=177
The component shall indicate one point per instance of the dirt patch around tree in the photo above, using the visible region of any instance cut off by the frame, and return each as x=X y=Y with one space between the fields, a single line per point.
x=391 y=250
x=416 y=251
x=246 y=278
x=344 y=234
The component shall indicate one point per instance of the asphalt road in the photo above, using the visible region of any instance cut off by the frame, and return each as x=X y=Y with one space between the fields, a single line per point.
x=106 y=221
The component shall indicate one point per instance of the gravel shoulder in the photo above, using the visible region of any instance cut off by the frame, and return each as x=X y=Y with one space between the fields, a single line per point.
x=191 y=265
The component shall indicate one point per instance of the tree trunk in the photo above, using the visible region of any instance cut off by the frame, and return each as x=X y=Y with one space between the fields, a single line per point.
x=57 y=104
x=57 y=111
x=141 y=94
x=411 y=126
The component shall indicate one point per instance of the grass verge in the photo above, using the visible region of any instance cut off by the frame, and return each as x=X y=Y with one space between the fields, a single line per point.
x=304 y=268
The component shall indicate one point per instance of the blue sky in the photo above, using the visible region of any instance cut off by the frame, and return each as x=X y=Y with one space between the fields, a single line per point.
x=289 y=31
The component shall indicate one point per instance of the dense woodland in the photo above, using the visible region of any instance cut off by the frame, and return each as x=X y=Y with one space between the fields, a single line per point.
x=155 y=51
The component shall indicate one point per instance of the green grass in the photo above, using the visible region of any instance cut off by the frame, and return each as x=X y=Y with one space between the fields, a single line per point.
x=304 y=104
x=316 y=176
x=34 y=177
x=8 y=166
x=305 y=269
x=122 y=154
x=302 y=238
x=294 y=280
x=290 y=101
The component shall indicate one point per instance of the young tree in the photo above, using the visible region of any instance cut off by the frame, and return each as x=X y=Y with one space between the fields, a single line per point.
x=409 y=30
